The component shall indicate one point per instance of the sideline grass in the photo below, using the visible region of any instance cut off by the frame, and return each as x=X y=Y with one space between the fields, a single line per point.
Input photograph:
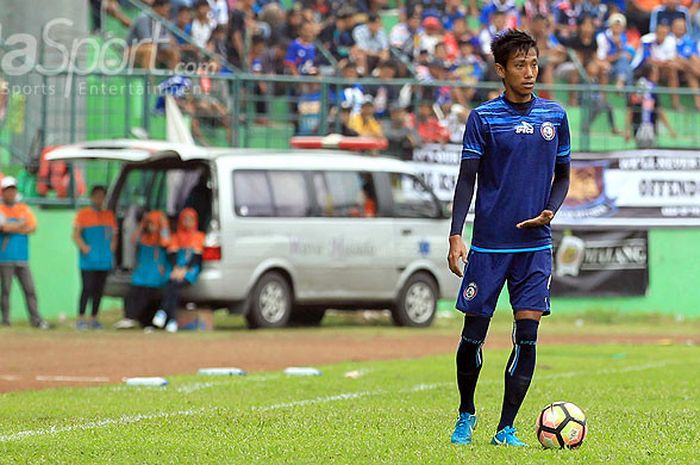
x=641 y=401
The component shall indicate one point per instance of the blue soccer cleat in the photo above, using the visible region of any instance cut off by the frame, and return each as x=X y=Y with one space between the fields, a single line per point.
x=507 y=437
x=466 y=424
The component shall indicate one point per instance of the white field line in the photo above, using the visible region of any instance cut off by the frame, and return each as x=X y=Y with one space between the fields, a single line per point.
x=194 y=387
x=9 y=378
x=73 y=379
x=131 y=419
x=121 y=421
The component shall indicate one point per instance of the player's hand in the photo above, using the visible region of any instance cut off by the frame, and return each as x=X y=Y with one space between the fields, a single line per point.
x=457 y=256
x=544 y=218
x=85 y=249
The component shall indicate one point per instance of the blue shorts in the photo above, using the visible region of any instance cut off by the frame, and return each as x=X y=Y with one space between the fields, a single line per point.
x=528 y=275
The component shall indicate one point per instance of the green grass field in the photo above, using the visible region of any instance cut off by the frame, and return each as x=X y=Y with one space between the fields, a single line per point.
x=642 y=405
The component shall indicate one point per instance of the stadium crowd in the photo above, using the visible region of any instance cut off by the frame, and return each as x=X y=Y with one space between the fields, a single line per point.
x=616 y=42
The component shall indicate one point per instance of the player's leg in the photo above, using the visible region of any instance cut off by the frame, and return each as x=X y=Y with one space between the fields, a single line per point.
x=483 y=280
x=528 y=285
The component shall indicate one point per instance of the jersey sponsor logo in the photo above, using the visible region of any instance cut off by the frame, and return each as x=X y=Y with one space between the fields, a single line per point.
x=470 y=291
x=524 y=128
x=548 y=131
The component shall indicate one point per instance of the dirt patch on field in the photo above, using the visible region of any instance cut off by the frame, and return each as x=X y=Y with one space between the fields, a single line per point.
x=33 y=360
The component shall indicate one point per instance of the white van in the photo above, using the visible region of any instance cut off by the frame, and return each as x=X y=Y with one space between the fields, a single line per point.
x=289 y=233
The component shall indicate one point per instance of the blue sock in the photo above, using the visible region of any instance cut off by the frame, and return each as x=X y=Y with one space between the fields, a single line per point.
x=519 y=371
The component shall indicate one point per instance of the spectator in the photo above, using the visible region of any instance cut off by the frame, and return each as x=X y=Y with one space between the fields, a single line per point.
x=202 y=25
x=95 y=233
x=338 y=38
x=497 y=24
x=532 y=8
x=687 y=60
x=643 y=111
x=401 y=136
x=345 y=129
x=242 y=18
x=451 y=39
x=371 y=40
x=667 y=13
x=456 y=121
x=16 y=223
x=638 y=13
x=211 y=98
x=468 y=68
x=294 y=22
x=364 y=122
x=428 y=126
x=552 y=53
x=218 y=12
x=454 y=9
x=404 y=35
x=302 y=52
x=185 y=258
x=218 y=43
x=274 y=17
x=566 y=14
x=110 y=7
x=183 y=21
x=613 y=50
x=385 y=93
x=261 y=62
x=597 y=10
x=152 y=268
x=585 y=46
x=431 y=35
x=659 y=49
x=355 y=93
x=150 y=42
x=508 y=8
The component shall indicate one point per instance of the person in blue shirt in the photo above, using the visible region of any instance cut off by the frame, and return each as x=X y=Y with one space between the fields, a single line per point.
x=687 y=61
x=152 y=267
x=518 y=145
x=95 y=234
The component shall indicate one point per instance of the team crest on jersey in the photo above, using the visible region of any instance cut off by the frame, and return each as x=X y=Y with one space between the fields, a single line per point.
x=524 y=128
x=470 y=291
x=548 y=131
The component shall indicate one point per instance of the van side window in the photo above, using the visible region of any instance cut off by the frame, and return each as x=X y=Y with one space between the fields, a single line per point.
x=411 y=198
x=289 y=193
x=252 y=194
x=345 y=194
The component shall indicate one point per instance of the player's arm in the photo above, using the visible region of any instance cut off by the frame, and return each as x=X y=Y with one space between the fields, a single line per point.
x=464 y=191
x=472 y=151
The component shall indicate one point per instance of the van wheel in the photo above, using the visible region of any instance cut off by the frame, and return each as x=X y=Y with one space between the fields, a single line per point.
x=417 y=302
x=271 y=302
x=308 y=316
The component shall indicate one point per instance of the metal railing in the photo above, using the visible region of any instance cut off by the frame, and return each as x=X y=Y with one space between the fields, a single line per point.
x=265 y=111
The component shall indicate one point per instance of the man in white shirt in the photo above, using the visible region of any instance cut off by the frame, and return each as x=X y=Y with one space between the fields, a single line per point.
x=659 y=49
x=202 y=24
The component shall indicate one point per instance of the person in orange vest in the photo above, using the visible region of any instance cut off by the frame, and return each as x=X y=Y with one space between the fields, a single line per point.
x=95 y=233
x=185 y=257
x=152 y=267
x=16 y=223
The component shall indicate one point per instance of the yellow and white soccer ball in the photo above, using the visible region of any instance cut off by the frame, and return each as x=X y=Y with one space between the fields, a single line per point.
x=561 y=425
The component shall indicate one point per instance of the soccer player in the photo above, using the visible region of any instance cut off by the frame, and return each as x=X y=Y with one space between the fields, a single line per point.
x=518 y=145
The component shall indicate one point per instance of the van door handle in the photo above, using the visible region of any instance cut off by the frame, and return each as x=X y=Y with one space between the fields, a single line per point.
x=406 y=232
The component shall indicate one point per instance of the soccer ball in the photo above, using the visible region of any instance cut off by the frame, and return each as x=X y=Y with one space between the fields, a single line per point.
x=561 y=425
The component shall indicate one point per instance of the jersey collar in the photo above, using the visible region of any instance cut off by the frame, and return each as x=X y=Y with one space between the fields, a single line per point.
x=516 y=112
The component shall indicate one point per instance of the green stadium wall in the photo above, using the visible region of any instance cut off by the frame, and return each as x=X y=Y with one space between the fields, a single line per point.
x=673 y=272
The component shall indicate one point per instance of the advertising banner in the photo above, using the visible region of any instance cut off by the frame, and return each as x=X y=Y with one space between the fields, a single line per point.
x=597 y=263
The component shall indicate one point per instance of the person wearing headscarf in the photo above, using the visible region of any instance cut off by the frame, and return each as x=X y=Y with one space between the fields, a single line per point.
x=152 y=267
x=185 y=257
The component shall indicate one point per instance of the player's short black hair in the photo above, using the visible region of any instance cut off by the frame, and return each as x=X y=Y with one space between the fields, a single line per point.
x=159 y=3
x=98 y=188
x=509 y=42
